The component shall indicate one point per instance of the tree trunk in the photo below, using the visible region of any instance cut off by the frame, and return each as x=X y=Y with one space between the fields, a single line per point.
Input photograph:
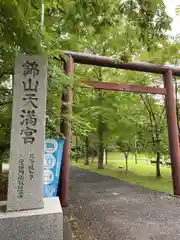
x=106 y=156
x=135 y=155
x=158 y=155
x=100 y=156
x=76 y=157
x=126 y=159
x=92 y=156
x=100 y=145
x=158 y=171
x=1 y=167
x=86 y=162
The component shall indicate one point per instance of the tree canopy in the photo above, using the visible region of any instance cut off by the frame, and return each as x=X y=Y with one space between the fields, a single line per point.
x=129 y=30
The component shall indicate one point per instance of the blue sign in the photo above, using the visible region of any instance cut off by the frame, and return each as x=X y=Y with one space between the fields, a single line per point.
x=53 y=149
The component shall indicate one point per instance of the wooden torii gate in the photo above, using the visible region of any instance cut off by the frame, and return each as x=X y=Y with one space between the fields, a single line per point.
x=170 y=103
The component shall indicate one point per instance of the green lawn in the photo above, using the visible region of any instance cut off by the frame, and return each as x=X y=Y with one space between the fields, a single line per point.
x=140 y=174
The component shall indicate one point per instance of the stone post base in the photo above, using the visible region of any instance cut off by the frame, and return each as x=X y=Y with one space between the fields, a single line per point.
x=44 y=224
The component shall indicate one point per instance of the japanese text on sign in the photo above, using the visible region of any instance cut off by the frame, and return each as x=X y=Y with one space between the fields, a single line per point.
x=28 y=111
x=31 y=166
x=28 y=117
x=20 y=188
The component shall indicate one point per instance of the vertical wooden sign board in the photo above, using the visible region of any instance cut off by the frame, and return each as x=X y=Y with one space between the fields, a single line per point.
x=25 y=186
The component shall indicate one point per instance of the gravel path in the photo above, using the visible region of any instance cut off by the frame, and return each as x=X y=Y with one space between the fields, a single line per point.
x=114 y=210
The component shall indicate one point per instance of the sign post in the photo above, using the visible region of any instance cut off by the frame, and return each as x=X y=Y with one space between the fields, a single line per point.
x=52 y=164
x=26 y=171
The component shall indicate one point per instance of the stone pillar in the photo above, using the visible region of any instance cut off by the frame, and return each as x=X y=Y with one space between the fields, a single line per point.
x=26 y=171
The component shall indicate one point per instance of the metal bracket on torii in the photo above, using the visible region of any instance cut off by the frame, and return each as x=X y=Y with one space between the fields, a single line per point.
x=170 y=103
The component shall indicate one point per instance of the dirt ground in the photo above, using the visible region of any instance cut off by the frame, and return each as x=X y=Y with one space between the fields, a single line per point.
x=78 y=233
x=106 y=208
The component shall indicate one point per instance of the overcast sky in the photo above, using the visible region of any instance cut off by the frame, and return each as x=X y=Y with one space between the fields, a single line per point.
x=171 y=9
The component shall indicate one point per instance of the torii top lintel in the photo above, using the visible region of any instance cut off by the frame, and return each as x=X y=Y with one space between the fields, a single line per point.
x=110 y=62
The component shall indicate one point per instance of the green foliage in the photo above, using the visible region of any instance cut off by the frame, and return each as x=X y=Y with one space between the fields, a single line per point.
x=126 y=30
x=149 y=17
x=178 y=9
